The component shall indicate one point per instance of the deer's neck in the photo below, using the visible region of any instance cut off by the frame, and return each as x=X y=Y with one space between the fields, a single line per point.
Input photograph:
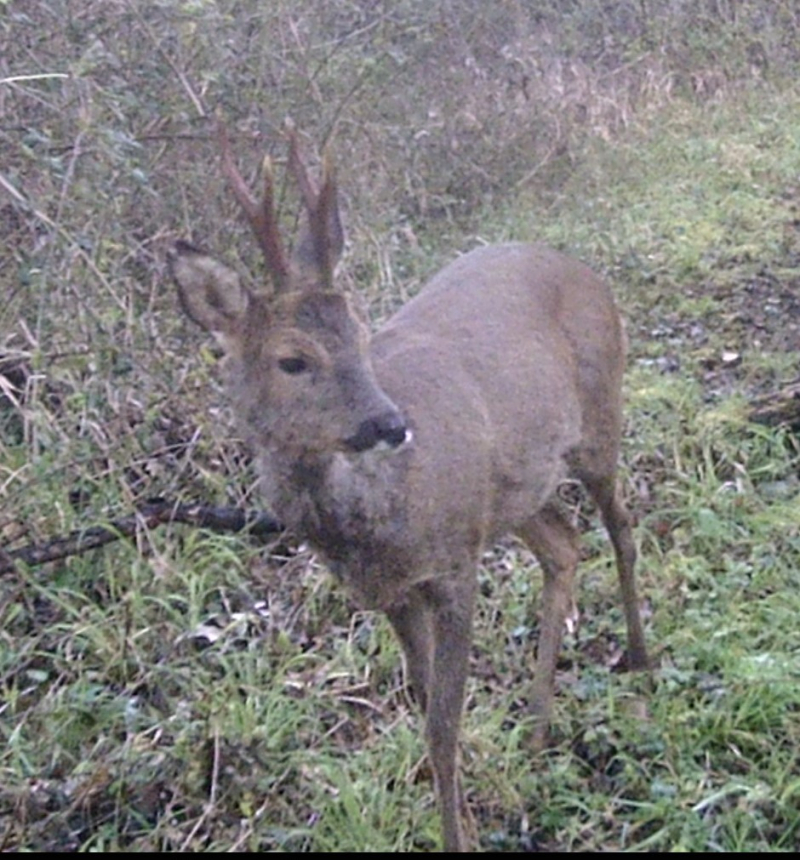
x=343 y=505
x=350 y=509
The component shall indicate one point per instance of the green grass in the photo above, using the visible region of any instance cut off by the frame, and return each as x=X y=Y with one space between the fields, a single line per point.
x=185 y=691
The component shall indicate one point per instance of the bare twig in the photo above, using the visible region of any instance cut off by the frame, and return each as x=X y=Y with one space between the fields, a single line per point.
x=779 y=408
x=151 y=514
x=194 y=97
x=17 y=79
x=10 y=189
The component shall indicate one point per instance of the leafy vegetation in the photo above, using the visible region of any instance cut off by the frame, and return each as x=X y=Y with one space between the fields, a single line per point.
x=191 y=691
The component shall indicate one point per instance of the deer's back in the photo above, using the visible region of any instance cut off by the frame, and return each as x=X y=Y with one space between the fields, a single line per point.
x=495 y=363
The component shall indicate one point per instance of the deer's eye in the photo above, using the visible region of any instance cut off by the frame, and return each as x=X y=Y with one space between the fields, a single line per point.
x=294 y=365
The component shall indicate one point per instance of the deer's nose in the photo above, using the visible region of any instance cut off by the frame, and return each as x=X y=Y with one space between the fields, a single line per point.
x=389 y=427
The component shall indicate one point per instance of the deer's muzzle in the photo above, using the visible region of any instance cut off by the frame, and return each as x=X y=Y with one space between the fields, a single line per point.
x=389 y=428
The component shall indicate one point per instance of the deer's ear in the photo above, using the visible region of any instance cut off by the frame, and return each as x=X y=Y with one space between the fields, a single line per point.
x=210 y=292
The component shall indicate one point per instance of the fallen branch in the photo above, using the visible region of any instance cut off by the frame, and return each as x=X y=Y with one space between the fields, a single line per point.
x=778 y=408
x=150 y=515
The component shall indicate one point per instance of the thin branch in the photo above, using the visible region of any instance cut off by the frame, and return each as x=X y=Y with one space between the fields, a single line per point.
x=190 y=91
x=16 y=79
x=7 y=186
x=150 y=515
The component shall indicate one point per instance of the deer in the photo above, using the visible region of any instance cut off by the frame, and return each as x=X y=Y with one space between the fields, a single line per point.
x=401 y=456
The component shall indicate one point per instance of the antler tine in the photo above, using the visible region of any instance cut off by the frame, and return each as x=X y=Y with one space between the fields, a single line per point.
x=307 y=190
x=261 y=216
x=324 y=227
x=327 y=222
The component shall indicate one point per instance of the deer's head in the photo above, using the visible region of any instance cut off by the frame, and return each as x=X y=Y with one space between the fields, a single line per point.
x=297 y=353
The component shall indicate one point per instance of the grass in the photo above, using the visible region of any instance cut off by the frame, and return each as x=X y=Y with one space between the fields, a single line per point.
x=186 y=691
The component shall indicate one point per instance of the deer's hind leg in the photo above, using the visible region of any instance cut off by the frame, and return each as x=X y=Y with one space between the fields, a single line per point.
x=554 y=542
x=605 y=491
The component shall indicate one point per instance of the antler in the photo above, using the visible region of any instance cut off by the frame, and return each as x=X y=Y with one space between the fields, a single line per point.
x=324 y=225
x=260 y=215
x=308 y=192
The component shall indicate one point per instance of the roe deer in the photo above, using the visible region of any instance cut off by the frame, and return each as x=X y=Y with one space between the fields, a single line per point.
x=400 y=457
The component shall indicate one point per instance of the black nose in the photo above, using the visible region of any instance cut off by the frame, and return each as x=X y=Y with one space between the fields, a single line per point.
x=389 y=428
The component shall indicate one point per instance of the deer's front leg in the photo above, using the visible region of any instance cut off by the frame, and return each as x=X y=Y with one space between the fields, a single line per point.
x=412 y=622
x=451 y=604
